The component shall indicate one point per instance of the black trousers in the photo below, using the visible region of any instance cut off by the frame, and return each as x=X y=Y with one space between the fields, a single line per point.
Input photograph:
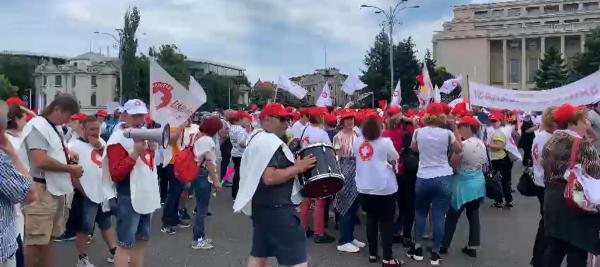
x=452 y=217
x=225 y=147
x=163 y=185
x=504 y=166
x=527 y=154
x=405 y=198
x=556 y=250
x=539 y=246
x=380 y=220
x=236 y=176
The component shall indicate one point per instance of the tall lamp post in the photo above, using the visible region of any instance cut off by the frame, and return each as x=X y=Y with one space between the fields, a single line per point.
x=390 y=19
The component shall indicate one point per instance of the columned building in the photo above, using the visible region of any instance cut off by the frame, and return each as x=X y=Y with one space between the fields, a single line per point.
x=502 y=43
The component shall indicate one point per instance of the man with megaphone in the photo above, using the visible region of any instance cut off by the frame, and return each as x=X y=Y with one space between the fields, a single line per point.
x=130 y=163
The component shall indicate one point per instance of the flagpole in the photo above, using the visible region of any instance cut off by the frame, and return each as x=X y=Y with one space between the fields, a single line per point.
x=275 y=96
x=466 y=94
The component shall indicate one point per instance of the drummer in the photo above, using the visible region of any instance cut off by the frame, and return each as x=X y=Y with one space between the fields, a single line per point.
x=314 y=133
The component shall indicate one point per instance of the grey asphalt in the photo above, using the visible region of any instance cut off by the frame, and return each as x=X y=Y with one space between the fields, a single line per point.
x=507 y=240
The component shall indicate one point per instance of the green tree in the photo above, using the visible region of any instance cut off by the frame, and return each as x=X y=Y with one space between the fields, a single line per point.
x=7 y=90
x=406 y=68
x=431 y=63
x=587 y=62
x=553 y=71
x=377 y=61
x=127 y=54
x=172 y=60
x=218 y=89
x=142 y=64
x=260 y=97
x=19 y=71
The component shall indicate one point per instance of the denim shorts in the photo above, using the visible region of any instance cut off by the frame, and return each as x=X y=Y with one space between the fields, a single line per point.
x=131 y=226
x=89 y=213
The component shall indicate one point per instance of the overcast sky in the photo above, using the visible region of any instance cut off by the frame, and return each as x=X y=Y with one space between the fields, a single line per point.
x=266 y=37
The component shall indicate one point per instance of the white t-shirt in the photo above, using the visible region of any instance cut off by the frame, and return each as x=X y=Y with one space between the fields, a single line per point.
x=314 y=135
x=541 y=138
x=433 y=143
x=238 y=136
x=296 y=130
x=205 y=150
x=473 y=155
x=374 y=174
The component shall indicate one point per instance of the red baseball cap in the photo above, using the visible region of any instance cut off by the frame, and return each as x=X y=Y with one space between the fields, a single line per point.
x=295 y=116
x=393 y=110
x=317 y=113
x=330 y=119
x=496 y=116
x=411 y=113
x=78 y=117
x=563 y=114
x=460 y=110
x=305 y=112
x=468 y=120
x=435 y=109
x=101 y=113
x=274 y=110
x=347 y=113
x=16 y=101
x=240 y=115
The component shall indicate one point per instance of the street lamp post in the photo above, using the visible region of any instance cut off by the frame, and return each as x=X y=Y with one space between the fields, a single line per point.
x=390 y=17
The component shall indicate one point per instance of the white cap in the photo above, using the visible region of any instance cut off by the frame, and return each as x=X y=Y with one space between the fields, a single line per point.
x=135 y=106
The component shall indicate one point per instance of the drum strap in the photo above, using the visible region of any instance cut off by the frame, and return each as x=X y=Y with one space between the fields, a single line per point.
x=302 y=135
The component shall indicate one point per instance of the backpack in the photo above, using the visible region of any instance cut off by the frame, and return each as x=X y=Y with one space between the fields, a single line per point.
x=185 y=167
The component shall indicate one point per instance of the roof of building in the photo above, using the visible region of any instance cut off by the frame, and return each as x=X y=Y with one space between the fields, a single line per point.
x=93 y=57
x=264 y=85
x=198 y=60
x=506 y=4
x=31 y=54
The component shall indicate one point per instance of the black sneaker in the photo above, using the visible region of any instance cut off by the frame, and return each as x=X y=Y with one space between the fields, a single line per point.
x=470 y=252
x=497 y=205
x=184 y=215
x=508 y=205
x=309 y=233
x=415 y=253
x=183 y=225
x=435 y=259
x=324 y=239
x=168 y=230
x=408 y=243
x=443 y=250
x=65 y=237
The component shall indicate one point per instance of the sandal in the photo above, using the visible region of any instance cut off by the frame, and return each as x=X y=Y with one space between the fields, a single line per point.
x=391 y=263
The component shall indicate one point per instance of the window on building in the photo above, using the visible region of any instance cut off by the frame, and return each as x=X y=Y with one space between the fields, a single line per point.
x=73 y=80
x=533 y=66
x=570 y=7
x=531 y=24
x=552 y=22
x=515 y=70
x=591 y=19
x=498 y=13
x=481 y=14
x=590 y=5
x=569 y=21
x=514 y=25
x=93 y=99
x=513 y=12
x=94 y=84
x=58 y=80
x=534 y=10
x=44 y=80
x=550 y=9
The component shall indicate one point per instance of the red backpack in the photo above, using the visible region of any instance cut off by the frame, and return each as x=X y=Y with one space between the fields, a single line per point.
x=185 y=166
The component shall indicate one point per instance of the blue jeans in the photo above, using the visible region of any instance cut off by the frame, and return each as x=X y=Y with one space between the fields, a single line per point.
x=347 y=223
x=131 y=226
x=202 y=192
x=434 y=194
x=170 y=212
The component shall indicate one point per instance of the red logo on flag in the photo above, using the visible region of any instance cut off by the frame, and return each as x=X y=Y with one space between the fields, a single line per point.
x=365 y=151
x=396 y=93
x=536 y=152
x=165 y=89
x=96 y=158
x=324 y=95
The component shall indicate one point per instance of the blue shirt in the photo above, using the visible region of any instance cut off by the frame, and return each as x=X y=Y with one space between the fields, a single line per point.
x=13 y=189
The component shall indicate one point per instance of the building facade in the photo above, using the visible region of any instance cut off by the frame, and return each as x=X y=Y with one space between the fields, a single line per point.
x=502 y=43
x=91 y=77
x=200 y=67
x=313 y=83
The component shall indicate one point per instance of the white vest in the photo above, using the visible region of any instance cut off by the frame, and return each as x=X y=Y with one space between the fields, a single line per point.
x=143 y=180
x=58 y=183
x=96 y=188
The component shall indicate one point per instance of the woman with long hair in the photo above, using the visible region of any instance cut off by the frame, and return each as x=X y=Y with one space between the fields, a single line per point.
x=569 y=232
x=469 y=186
x=434 y=178
x=376 y=181
x=346 y=201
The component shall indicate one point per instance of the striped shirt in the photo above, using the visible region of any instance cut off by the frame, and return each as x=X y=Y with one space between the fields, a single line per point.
x=343 y=144
x=13 y=189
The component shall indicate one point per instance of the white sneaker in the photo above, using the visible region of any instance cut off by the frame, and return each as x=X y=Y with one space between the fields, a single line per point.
x=358 y=244
x=110 y=259
x=201 y=244
x=348 y=247
x=84 y=262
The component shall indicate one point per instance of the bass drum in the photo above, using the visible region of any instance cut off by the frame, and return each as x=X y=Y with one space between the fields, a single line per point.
x=326 y=178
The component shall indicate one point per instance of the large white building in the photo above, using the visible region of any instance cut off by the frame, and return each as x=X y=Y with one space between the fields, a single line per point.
x=91 y=77
x=502 y=43
x=314 y=83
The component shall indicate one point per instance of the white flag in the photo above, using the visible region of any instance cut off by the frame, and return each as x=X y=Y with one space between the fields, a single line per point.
x=397 y=96
x=511 y=145
x=324 y=99
x=293 y=88
x=352 y=84
x=425 y=92
x=170 y=102
x=437 y=97
x=196 y=89
x=451 y=84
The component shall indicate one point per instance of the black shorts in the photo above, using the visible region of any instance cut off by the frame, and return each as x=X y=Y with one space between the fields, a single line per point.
x=278 y=233
x=87 y=213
